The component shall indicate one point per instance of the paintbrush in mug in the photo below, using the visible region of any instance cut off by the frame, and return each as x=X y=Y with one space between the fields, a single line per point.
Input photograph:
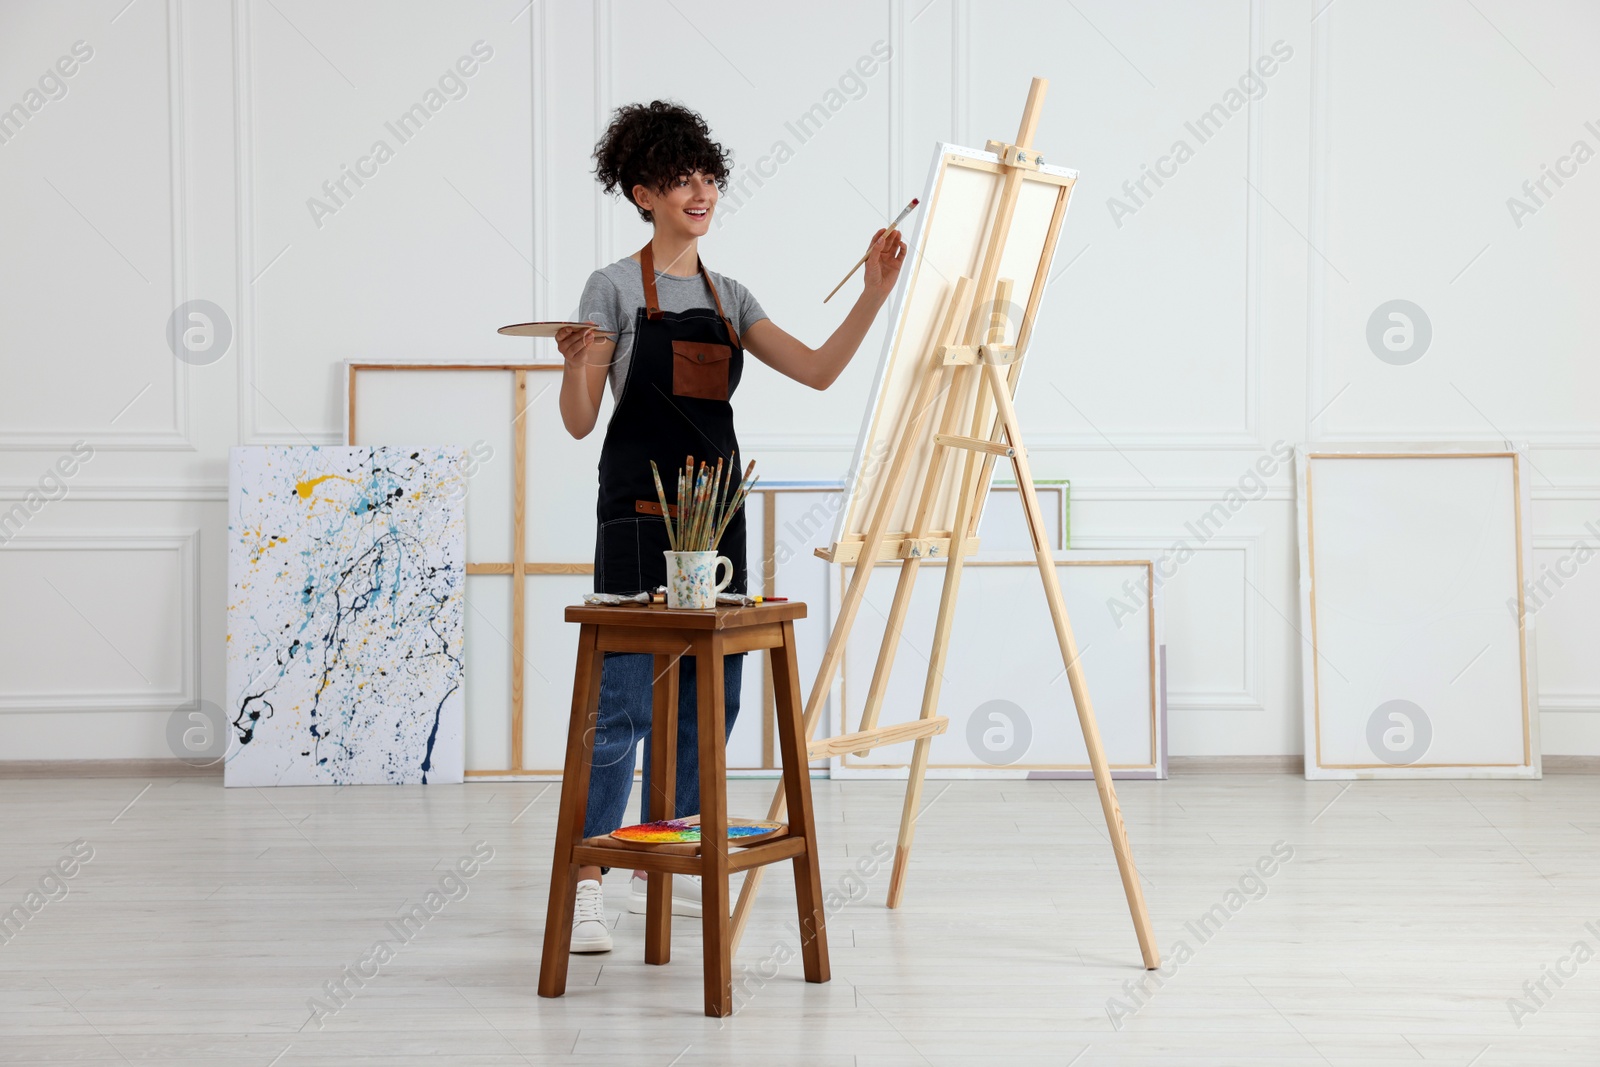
x=723 y=505
x=745 y=485
x=707 y=503
x=666 y=512
x=892 y=227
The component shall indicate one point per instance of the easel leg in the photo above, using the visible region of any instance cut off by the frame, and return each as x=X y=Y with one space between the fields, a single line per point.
x=1080 y=690
x=958 y=382
x=931 y=687
x=932 y=375
x=891 y=645
x=908 y=820
x=969 y=470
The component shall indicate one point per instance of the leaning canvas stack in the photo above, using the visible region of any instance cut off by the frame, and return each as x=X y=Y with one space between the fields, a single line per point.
x=345 y=615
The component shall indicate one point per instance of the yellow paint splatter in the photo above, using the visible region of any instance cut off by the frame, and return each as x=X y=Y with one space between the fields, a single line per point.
x=306 y=488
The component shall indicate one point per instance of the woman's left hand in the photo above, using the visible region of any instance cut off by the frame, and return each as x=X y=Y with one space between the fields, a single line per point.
x=884 y=259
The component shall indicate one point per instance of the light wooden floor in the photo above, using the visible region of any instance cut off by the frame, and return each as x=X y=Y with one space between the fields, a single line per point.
x=1408 y=915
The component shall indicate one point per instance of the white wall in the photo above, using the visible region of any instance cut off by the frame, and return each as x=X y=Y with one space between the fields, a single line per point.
x=1186 y=333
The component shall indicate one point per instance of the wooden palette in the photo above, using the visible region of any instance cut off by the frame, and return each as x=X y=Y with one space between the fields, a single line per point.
x=547 y=329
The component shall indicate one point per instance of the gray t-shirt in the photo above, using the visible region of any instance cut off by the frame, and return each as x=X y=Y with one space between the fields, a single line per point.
x=613 y=295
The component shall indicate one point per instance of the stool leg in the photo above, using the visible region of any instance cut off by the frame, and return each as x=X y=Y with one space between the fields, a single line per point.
x=663 y=791
x=713 y=826
x=574 y=808
x=802 y=817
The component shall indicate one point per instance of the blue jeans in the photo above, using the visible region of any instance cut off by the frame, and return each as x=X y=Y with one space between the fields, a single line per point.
x=624 y=718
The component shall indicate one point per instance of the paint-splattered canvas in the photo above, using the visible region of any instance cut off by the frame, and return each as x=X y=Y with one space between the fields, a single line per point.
x=347 y=578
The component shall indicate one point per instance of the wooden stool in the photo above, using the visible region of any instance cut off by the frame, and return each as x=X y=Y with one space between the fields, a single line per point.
x=708 y=636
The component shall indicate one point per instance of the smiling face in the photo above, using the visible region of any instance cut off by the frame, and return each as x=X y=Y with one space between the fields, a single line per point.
x=684 y=208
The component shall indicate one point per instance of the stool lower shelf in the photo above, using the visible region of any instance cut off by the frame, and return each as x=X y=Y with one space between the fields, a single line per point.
x=685 y=857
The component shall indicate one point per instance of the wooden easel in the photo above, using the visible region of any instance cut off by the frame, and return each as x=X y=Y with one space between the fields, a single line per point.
x=964 y=365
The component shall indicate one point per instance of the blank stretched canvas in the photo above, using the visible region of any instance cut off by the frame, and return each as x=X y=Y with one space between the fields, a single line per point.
x=1417 y=658
x=948 y=239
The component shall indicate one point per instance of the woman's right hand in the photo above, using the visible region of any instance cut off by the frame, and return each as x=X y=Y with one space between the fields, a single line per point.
x=586 y=360
x=573 y=343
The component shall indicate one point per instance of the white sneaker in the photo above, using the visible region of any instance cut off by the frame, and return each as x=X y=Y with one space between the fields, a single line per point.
x=589 y=930
x=685 y=895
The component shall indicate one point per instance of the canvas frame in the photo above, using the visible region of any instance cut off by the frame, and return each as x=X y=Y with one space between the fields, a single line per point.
x=847 y=766
x=1518 y=505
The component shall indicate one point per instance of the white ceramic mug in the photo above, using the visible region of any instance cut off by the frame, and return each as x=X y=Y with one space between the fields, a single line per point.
x=691 y=579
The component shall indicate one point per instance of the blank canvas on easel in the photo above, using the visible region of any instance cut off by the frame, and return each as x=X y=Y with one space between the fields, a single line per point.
x=947 y=243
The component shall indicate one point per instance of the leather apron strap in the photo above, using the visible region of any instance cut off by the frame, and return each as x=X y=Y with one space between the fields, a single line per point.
x=652 y=303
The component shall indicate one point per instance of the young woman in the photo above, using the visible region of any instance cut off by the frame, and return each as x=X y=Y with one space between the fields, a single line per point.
x=680 y=335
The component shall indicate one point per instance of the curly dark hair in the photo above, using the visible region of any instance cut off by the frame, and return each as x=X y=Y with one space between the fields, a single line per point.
x=652 y=145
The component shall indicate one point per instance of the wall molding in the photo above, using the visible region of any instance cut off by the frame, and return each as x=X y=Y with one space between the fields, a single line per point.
x=1563 y=764
x=604 y=221
x=184 y=543
x=246 y=388
x=1559 y=440
x=1256 y=169
x=1206 y=492
x=1567 y=491
x=1248 y=436
x=143 y=489
x=179 y=437
x=1041 y=441
x=1569 y=701
x=1556 y=541
x=1179 y=765
x=1222 y=441
x=1319 y=178
x=1113 y=492
x=106 y=768
x=1316 y=222
x=961 y=71
x=1291 y=763
x=1561 y=700
x=1153 y=544
x=244 y=227
x=895 y=121
x=539 y=112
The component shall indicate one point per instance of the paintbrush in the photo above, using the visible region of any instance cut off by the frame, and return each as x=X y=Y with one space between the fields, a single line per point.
x=892 y=227
x=685 y=503
x=666 y=514
x=745 y=485
x=716 y=495
x=699 y=503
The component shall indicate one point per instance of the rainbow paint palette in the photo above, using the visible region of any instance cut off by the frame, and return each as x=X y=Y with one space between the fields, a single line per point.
x=687 y=832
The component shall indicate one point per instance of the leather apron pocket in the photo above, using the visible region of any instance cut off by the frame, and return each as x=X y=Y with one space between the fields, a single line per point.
x=629 y=555
x=700 y=369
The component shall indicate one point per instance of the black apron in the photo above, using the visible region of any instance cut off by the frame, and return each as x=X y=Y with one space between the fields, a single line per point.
x=674 y=404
